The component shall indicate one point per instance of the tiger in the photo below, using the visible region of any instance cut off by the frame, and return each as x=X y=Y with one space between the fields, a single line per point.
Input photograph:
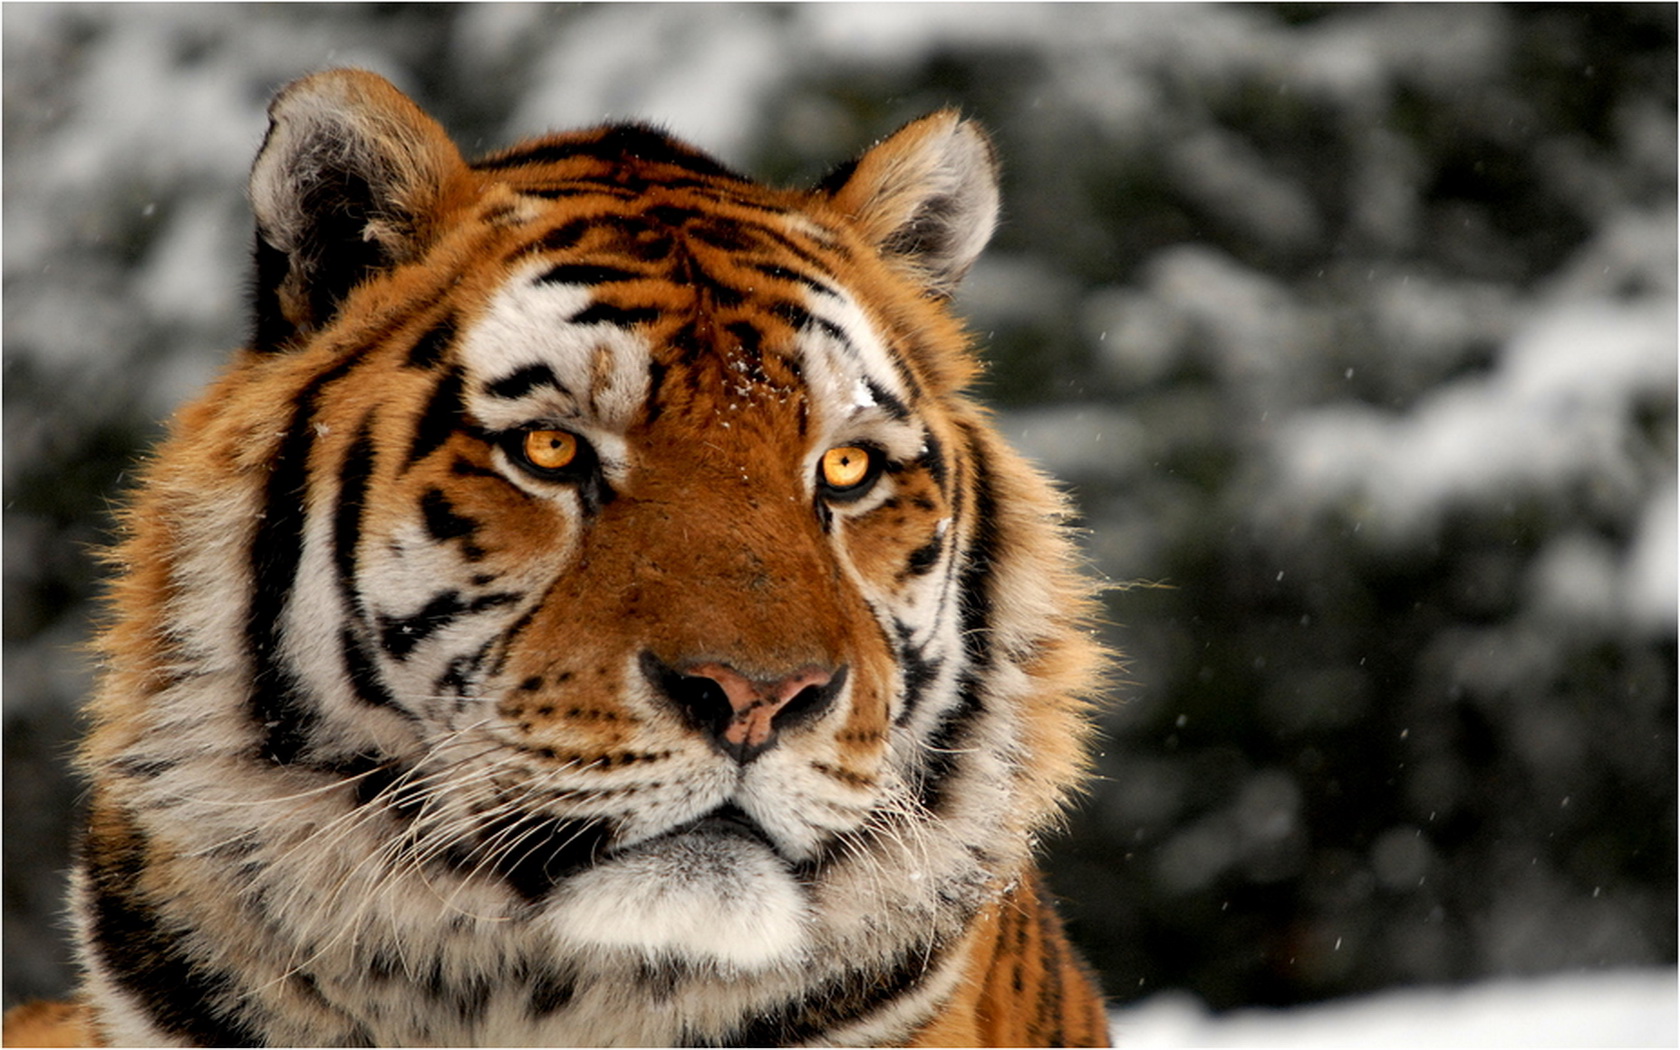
x=592 y=609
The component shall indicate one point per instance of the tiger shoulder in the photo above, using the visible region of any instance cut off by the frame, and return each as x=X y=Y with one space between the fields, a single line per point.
x=591 y=610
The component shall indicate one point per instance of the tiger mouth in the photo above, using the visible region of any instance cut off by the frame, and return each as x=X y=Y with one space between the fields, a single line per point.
x=550 y=850
x=728 y=820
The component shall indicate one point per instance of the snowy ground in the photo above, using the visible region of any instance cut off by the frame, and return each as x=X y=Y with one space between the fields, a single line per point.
x=1624 y=1009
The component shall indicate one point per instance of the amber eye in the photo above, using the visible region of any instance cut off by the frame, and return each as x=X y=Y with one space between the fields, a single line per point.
x=847 y=471
x=550 y=449
x=549 y=454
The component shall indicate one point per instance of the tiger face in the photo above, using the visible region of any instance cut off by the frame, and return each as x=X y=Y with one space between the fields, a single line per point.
x=591 y=610
x=661 y=526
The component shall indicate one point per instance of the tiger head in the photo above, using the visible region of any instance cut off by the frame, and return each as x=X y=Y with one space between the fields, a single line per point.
x=596 y=544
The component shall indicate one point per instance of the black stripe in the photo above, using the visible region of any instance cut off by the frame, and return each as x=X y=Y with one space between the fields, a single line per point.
x=933 y=458
x=783 y=273
x=562 y=237
x=749 y=339
x=687 y=343
x=441 y=418
x=886 y=399
x=800 y=319
x=920 y=672
x=780 y=242
x=975 y=590
x=353 y=477
x=550 y=992
x=721 y=233
x=581 y=188
x=363 y=672
x=1049 y=1020
x=620 y=144
x=924 y=558
x=656 y=382
x=843 y=999
x=443 y=524
x=533 y=853
x=398 y=635
x=946 y=745
x=144 y=768
x=622 y=316
x=149 y=958
x=722 y=293
x=457 y=679
x=795 y=315
x=672 y=216
x=428 y=350
x=586 y=273
x=278 y=704
x=524 y=381
x=381 y=779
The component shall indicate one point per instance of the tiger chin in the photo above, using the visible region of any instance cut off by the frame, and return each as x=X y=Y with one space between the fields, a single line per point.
x=591 y=610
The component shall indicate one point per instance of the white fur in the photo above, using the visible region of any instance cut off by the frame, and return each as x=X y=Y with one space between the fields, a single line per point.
x=718 y=899
x=529 y=323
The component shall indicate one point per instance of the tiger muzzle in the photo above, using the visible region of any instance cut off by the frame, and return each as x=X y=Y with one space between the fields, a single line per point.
x=744 y=716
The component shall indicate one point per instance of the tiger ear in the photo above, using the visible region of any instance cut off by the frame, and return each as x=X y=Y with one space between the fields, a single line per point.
x=347 y=182
x=927 y=196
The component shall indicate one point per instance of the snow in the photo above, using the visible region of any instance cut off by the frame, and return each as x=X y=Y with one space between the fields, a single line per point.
x=1554 y=408
x=1636 y=1008
x=645 y=62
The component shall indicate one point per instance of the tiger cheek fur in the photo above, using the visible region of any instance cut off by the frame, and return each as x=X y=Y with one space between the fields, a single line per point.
x=590 y=611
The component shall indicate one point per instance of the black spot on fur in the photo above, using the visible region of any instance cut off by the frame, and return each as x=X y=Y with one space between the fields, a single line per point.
x=550 y=993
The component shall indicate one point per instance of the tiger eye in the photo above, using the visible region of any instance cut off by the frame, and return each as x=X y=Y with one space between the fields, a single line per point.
x=845 y=466
x=550 y=449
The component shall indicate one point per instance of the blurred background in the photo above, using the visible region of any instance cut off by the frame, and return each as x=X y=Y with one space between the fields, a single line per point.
x=1352 y=330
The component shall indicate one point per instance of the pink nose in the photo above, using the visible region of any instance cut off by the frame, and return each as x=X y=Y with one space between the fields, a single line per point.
x=756 y=702
x=743 y=715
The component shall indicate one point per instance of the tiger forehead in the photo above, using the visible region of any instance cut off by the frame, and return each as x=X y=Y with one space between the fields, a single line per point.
x=702 y=282
x=727 y=248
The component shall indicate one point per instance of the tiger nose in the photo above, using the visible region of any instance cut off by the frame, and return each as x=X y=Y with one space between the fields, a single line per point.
x=741 y=714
